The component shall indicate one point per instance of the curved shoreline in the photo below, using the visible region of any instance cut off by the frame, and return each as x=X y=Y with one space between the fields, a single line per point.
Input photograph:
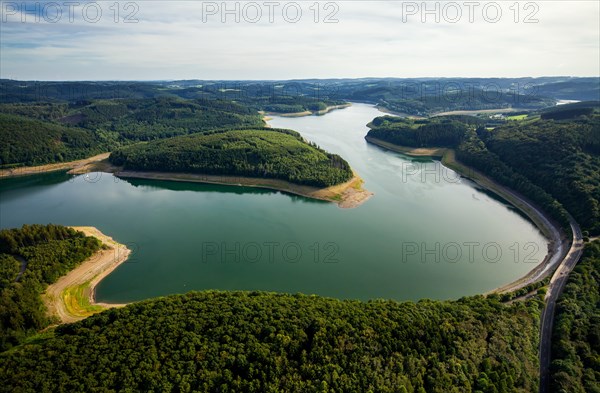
x=72 y=297
x=309 y=113
x=347 y=195
x=558 y=245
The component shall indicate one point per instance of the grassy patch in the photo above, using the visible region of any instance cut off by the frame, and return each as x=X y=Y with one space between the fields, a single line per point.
x=516 y=117
x=77 y=302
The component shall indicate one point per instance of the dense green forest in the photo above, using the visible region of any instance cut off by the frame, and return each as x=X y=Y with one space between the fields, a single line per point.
x=463 y=100
x=267 y=152
x=553 y=159
x=160 y=118
x=33 y=142
x=264 y=342
x=560 y=156
x=575 y=364
x=446 y=131
x=31 y=258
x=53 y=132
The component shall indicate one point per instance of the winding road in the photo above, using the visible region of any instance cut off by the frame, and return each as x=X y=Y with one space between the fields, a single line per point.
x=555 y=288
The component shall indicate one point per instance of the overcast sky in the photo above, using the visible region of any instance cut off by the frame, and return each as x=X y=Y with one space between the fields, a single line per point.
x=271 y=40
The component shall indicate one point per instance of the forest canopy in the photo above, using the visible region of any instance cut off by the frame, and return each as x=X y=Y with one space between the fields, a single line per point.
x=576 y=334
x=266 y=152
x=41 y=133
x=31 y=258
x=265 y=342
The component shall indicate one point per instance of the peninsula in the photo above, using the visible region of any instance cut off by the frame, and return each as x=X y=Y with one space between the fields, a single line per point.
x=265 y=157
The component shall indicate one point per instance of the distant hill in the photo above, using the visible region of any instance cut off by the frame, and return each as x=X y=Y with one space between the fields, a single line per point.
x=416 y=96
x=570 y=111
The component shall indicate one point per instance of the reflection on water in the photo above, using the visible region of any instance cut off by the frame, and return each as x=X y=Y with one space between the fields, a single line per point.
x=400 y=244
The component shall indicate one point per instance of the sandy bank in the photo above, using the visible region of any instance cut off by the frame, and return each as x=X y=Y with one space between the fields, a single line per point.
x=347 y=195
x=436 y=152
x=90 y=164
x=72 y=297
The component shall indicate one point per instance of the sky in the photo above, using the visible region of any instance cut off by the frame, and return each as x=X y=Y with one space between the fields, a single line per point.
x=170 y=40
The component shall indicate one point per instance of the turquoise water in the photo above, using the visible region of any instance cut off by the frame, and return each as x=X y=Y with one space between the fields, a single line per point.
x=425 y=233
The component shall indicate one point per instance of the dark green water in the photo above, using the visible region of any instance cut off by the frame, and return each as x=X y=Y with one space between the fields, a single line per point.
x=404 y=243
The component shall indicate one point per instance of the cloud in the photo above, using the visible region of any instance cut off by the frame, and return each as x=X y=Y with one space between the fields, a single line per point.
x=182 y=40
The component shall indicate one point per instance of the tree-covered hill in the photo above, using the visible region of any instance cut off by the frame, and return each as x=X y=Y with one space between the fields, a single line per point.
x=415 y=96
x=575 y=364
x=263 y=342
x=34 y=142
x=266 y=152
x=570 y=111
x=40 y=133
x=560 y=156
x=443 y=131
x=160 y=118
x=31 y=258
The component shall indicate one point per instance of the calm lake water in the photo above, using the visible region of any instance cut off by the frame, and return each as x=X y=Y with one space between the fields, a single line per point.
x=425 y=233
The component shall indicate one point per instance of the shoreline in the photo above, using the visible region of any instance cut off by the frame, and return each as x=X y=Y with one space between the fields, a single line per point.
x=85 y=165
x=451 y=113
x=399 y=114
x=435 y=152
x=478 y=111
x=346 y=195
x=307 y=113
x=558 y=245
x=72 y=297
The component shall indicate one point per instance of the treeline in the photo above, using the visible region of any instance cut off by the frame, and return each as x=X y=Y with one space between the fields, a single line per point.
x=33 y=142
x=264 y=342
x=576 y=335
x=267 y=152
x=429 y=98
x=297 y=104
x=31 y=258
x=555 y=163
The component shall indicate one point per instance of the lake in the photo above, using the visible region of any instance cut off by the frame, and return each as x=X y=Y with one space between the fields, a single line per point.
x=426 y=233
